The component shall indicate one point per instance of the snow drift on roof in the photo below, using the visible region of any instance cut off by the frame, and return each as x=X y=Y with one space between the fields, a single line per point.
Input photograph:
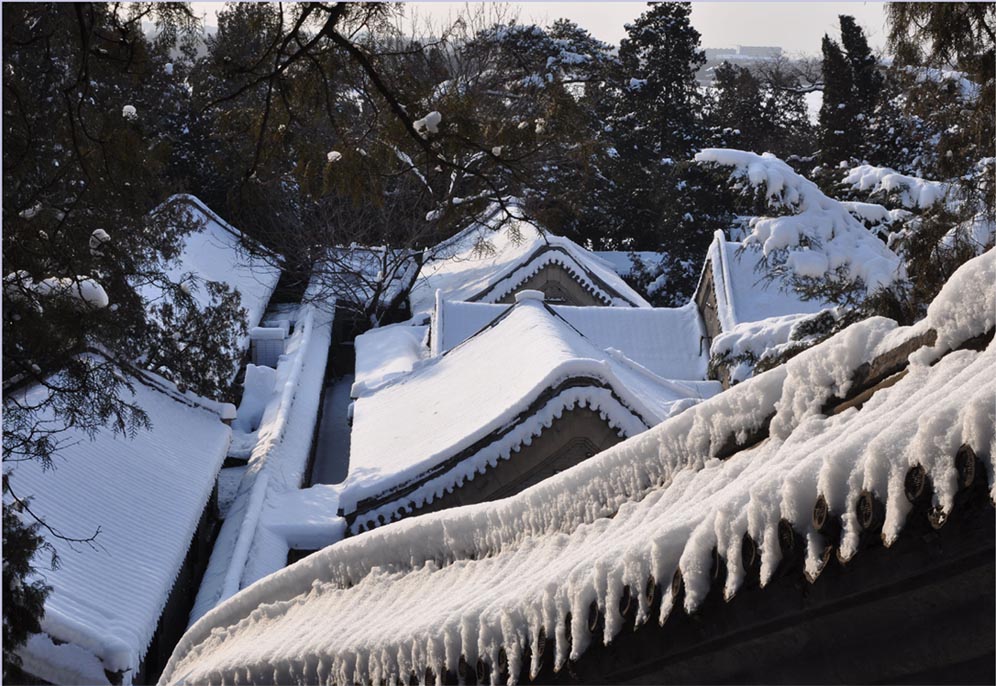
x=492 y=577
x=146 y=495
x=385 y=353
x=667 y=341
x=626 y=262
x=452 y=402
x=277 y=463
x=462 y=271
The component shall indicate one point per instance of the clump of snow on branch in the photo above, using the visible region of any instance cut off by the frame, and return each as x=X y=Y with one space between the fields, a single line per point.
x=809 y=238
x=129 y=112
x=429 y=123
x=97 y=240
x=83 y=289
x=333 y=156
x=916 y=196
x=911 y=191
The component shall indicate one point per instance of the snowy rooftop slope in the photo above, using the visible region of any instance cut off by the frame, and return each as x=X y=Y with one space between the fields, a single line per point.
x=743 y=293
x=360 y=273
x=818 y=238
x=667 y=341
x=214 y=253
x=462 y=271
x=478 y=580
x=146 y=495
x=386 y=353
x=488 y=384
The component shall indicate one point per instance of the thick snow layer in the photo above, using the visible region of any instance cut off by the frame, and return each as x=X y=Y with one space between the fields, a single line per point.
x=966 y=306
x=475 y=580
x=145 y=494
x=912 y=191
x=462 y=270
x=452 y=402
x=667 y=341
x=214 y=253
x=386 y=353
x=743 y=292
x=968 y=90
x=278 y=455
x=755 y=339
x=818 y=237
x=429 y=123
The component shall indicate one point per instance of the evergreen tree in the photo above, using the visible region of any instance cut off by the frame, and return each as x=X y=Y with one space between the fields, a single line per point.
x=659 y=96
x=837 y=129
x=852 y=85
x=23 y=593
x=738 y=112
x=864 y=67
x=649 y=120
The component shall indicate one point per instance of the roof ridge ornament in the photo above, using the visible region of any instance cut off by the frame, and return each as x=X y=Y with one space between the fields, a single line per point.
x=529 y=294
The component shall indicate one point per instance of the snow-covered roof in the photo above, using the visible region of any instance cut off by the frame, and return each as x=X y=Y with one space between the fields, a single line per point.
x=516 y=250
x=356 y=274
x=743 y=293
x=145 y=494
x=247 y=547
x=667 y=341
x=385 y=353
x=478 y=581
x=214 y=252
x=488 y=387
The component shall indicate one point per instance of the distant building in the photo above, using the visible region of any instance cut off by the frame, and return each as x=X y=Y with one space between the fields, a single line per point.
x=743 y=52
x=742 y=55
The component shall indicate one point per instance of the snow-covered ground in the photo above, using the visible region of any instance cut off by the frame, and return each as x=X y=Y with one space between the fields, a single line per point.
x=492 y=577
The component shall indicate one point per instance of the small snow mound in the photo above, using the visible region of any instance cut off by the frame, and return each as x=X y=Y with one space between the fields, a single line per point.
x=429 y=123
x=97 y=240
x=530 y=295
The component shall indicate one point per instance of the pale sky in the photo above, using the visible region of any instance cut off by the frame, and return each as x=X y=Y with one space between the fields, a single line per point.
x=797 y=27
